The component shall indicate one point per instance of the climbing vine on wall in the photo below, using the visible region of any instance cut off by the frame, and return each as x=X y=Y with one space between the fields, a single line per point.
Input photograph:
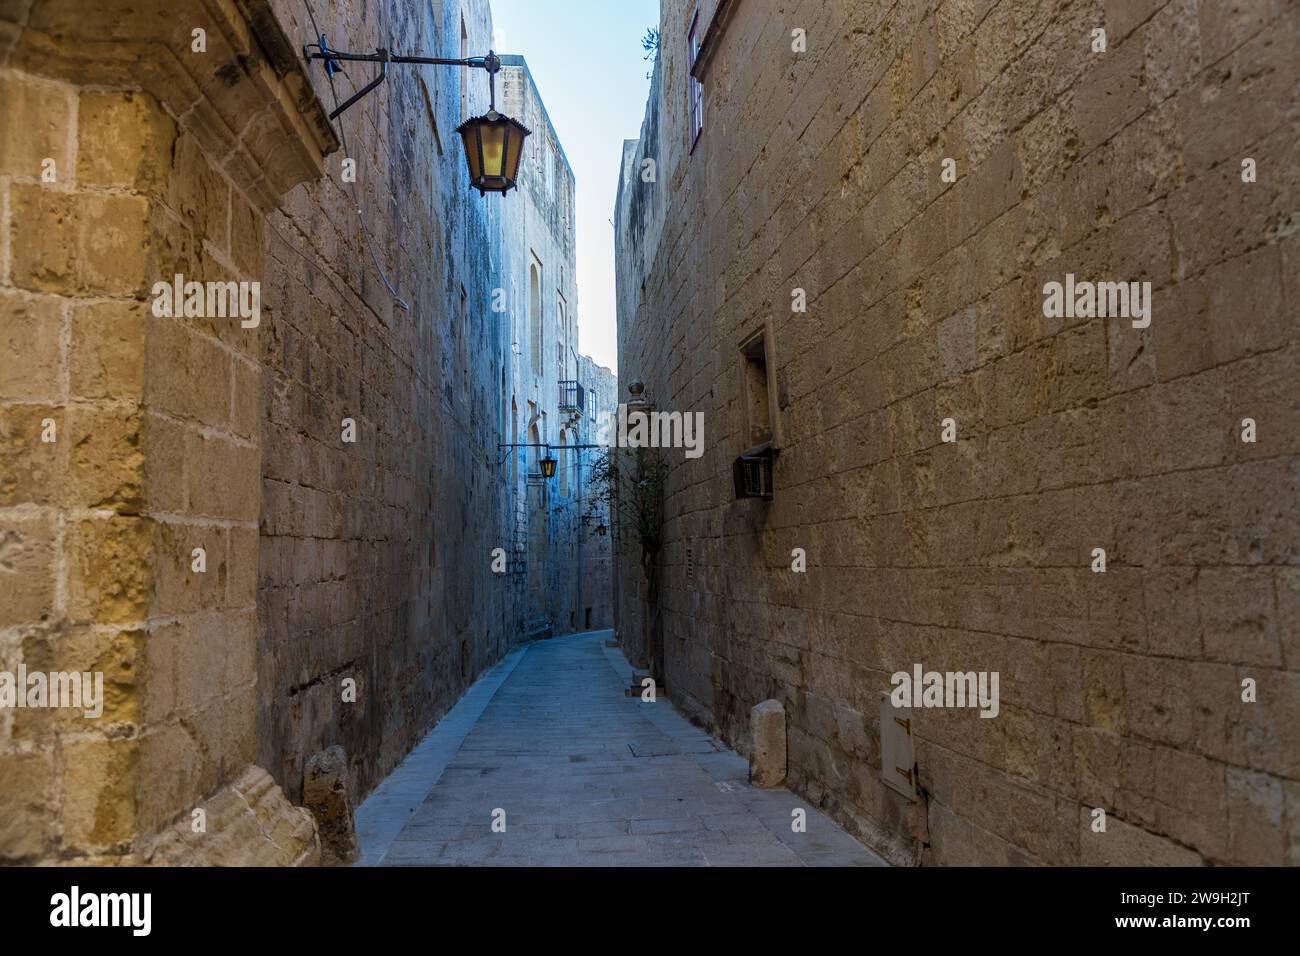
x=630 y=485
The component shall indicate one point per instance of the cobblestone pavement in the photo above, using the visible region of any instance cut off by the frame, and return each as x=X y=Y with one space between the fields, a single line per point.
x=585 y=776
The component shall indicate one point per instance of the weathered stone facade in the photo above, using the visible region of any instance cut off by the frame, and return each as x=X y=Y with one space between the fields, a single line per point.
x=821 y=170
x=326 y=563
x=131 y=437
x=375 y=555
x=540 y=403
x=601 y=387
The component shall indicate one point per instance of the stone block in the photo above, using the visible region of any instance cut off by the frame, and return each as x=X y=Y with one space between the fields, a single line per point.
x=1256 y=809
x=1288 y=615
x=44 y=232
x=1236 y=611
x=113 y=254
x=164 y=463
x=240 y=642
x=171 y=759
x=99 y=785
x=106 y=350
x=201 y=661
x=28 y=550
x=1246 y=313
x=34 y=469
x=126 y=139
x=109 y=569
x=246 y=238
x=1292 y=834
x=198 y=194
x=38 y=115
x=178 y=588
x=242 y=567
x=174 y=247
x=31 y=347
x=187 y=373
x=28 y=805
x=223 y=478
x=767 y=766
x=325 y=794
x=246 y=410
x=1126 y=845
x=105 y=457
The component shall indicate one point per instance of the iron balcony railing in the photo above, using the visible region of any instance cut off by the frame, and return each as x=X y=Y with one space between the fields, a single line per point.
x=573 y=397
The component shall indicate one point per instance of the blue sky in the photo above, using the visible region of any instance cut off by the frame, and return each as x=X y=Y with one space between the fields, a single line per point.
x=586 y=58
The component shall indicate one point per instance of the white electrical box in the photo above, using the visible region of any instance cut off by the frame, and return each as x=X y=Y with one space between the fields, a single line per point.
x=897 y=756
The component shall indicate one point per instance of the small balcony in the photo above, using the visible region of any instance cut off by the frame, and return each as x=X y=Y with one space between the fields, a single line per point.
x=751 y=473
x=573 y=397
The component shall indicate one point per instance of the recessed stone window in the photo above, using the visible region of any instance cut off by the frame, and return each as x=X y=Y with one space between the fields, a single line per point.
x=761 y=428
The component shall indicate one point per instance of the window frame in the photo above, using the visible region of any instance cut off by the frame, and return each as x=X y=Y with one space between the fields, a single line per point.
x=759 y=346
x=536 y=316
x=694 y=88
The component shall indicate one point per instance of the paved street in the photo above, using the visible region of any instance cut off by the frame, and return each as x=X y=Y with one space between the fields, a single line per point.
x=585 y=776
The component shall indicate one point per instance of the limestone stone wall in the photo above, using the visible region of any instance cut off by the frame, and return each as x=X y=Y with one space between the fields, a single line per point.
x=822 y=171
x=271 y=537
x=375 y=554
x=129 y=492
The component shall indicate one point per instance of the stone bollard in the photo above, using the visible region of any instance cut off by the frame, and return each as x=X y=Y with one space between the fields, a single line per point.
x=767 y=727
x=325 y=794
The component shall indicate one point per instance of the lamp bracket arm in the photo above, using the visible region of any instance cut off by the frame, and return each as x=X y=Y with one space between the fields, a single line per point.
x=321 y=51
x=331 y=58
x=502 y=445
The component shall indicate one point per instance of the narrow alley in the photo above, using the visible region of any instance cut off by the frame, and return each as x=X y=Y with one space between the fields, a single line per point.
x=904 y=392
x=586 y=776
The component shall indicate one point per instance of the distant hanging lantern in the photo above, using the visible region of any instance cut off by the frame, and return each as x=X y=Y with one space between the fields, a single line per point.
x=547 y=465
x=601 y=529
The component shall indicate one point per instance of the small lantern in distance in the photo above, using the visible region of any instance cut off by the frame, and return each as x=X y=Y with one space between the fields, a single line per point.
x=601 y=529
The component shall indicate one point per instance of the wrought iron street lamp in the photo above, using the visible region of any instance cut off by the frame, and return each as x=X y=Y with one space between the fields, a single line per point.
x=494 y=142
x=547 y=463
x=493 y=145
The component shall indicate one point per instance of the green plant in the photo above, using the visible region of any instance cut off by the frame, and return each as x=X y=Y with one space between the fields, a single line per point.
x=650 y=44
x=630 y=484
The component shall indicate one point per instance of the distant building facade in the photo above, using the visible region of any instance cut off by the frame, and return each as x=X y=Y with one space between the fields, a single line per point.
x=545 y=401
x=601 y=387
